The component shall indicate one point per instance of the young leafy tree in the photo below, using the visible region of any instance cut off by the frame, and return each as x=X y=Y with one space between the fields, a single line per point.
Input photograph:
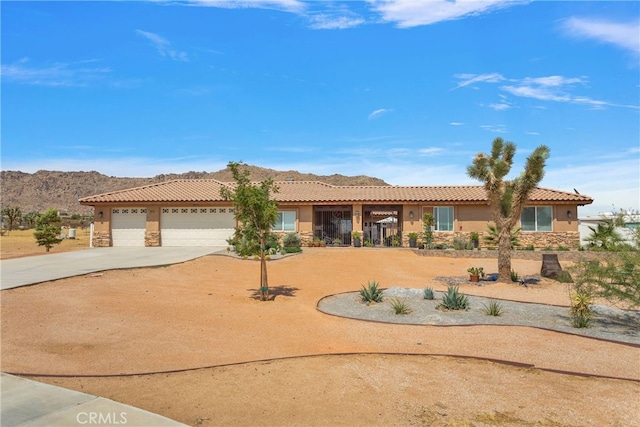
x=48 y=229
x=255 y=212
x=13 y=216
x=507 y=197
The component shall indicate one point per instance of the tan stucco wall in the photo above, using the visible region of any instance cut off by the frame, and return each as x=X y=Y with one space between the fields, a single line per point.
x=467 y=218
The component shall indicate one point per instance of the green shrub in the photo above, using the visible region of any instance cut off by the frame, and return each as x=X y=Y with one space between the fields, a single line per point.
x=580 y=321
x=371 y=292
x=291 y=249
x=514 y=276
x=400 y=306
x=564 y=277
x=454 y=300
x=428 y=293
x=291 y=240
x=460 y=244
x=493 y=309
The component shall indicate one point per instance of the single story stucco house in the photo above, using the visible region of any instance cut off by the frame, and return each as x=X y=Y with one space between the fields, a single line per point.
x=191 y=212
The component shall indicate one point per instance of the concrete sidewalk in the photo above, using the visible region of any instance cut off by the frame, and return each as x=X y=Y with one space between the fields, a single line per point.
x=30 y=403
x=36 y=269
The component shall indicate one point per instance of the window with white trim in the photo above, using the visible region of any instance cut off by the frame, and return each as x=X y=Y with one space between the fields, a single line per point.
x=536 y=218
x=286 y=221
x=443 y=216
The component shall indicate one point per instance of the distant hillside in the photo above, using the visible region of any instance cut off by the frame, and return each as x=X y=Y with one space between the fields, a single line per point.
x=61 y=190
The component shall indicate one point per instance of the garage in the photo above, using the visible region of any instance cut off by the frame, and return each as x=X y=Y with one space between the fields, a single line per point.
x=128 y=226
x=196 y=226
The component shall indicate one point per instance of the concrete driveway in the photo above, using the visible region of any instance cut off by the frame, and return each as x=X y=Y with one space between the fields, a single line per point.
x=36 y=269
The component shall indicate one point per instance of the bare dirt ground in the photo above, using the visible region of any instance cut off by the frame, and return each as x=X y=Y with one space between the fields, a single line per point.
x=240 y=361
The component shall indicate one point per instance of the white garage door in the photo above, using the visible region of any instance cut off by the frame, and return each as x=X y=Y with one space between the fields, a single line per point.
x=196 y=226
x=128 y=226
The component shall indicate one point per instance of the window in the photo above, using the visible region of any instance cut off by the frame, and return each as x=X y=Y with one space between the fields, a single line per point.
x=443 y=218
x=536 y=218
x=286 y=221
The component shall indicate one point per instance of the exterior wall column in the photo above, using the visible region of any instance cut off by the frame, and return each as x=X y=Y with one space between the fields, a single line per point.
x=152 y=233
x=102 y=226
x=357 y=215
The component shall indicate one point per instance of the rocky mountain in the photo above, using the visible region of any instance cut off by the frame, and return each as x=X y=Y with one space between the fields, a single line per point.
x=61 y=190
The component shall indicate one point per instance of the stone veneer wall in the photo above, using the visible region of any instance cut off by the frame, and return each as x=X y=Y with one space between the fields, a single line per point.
x=152 y=238
x=527 y=255
x=539 y=240
x=101 y=239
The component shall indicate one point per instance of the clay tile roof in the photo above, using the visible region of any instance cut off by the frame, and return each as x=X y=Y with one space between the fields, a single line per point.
x=208 y=190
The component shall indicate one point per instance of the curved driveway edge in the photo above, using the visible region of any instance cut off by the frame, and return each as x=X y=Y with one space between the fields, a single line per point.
x=31 y=403
x=25 y=271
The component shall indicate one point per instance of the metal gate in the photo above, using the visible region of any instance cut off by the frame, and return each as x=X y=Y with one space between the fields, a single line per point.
x=333 y=222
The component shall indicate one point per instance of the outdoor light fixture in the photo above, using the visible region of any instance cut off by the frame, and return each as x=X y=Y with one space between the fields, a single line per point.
x=411 y=214
x=569 y=214
x=100 y=214
x=358 y=214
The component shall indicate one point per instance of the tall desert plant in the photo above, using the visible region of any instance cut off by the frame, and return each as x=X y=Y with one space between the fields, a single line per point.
x=507 y=197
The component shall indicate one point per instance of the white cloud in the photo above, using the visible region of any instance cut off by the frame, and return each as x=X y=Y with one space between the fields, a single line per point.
x=503 y=106
x=163 y=46
x=609 y=182
x=378 y=113
x=58 y=74
x=494 y=128
x=456 y=124
x=431 y=151
x=469 y=79
x=293 y=6
x=547 y=88
x=411 y=13
x=624 y=35
x=323 y=21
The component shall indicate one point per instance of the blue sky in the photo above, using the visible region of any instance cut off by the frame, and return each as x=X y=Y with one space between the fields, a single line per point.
x=406 y=91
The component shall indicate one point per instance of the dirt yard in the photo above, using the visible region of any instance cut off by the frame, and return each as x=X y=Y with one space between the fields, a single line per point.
x=192 y=342
x=20 y=243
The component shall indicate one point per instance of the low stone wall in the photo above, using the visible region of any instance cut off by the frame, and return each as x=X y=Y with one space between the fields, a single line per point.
x=528 y=255
x=539 y=240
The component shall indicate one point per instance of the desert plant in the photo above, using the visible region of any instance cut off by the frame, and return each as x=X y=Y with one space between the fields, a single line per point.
x=476 y=271
x=615 y=277
x=337 y=241
x=371 y=292
x=494 y=308
x=454 y=300
x=474 y=236
x=428 y=293
x=400 y=306
x=580 y=311
x=514 y=276
x=460 y=244
x=291 y=240
x=428 y=221
x=580 y=321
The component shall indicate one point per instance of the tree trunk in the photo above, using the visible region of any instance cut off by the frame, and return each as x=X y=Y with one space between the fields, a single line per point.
x=264 y=284
x=504 y=254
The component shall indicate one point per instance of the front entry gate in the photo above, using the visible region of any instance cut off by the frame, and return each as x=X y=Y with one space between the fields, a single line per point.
x=333 y=224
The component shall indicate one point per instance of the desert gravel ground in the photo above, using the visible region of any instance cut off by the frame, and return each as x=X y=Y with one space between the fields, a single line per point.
x=240 y=361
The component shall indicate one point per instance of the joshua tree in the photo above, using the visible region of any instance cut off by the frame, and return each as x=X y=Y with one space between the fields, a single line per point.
x=13 y=216
x=507 y=197
x=256 y=214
